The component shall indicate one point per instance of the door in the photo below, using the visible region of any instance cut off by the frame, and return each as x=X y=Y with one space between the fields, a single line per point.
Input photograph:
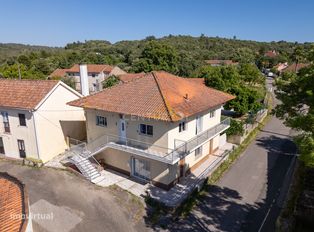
x=21 y=147
x=141 y=168
x=2 y=151
x=198 y=125
x=211 y=146
x=122 y=130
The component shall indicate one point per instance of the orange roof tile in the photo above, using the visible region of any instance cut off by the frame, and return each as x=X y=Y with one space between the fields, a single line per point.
x=24 y=94
x=295 y=67
x=197 y=80
x=59 y=72
x=93 y=68
x=13 y=204
x=130 y=77
x=157 y=95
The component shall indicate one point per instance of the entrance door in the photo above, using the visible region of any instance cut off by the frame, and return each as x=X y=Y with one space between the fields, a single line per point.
x=141 y=168
x=211 y=146
x=198 y=125
x=1 y=146
x=122 y=130
x=21 y=146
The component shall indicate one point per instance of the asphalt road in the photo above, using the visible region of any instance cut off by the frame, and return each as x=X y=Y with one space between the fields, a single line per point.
x=250 y=195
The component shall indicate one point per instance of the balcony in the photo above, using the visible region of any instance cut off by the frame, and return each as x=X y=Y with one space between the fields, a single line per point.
x=151 y=151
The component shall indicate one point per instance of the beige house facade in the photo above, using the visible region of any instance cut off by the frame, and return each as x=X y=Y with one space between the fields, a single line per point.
x=159 y=132
x=36 y=123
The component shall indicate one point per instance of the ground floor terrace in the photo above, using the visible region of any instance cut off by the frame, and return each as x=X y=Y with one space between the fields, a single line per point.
x=161 y=174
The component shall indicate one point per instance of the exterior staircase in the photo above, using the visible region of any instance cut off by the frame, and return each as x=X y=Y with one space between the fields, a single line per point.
x=85 y=166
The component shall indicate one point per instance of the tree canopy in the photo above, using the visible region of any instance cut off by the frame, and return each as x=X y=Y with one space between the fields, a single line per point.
x=296 y=92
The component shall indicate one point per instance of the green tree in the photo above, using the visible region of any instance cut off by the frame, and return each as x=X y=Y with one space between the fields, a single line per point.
x=157 y=56
x=110 y=81
x=297 y=109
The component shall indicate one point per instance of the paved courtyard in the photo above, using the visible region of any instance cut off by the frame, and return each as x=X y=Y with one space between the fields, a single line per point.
x=70 y=203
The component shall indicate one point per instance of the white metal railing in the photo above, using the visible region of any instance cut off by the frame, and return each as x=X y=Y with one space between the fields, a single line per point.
x=148 y=150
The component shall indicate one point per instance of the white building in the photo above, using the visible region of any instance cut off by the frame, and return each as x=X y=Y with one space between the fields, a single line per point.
x=35 y=120
x=96 y=74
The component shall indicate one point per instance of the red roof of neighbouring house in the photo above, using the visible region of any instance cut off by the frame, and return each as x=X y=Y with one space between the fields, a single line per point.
x=13 y=204
x=157 y=95
x=271 y=54
x=24 y=94
x=130 y=77
x=59 y=72
x=93 y=68
x=295 y=67
x=197 y=80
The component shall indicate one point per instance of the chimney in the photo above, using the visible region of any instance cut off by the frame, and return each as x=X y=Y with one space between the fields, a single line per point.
x=84 y=80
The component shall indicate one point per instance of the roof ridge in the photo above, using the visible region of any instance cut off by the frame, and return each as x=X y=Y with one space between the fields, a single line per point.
x=162 y=95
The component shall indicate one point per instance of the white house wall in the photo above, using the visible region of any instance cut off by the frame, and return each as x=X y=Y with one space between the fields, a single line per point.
x=25 y=133
x=55 y=120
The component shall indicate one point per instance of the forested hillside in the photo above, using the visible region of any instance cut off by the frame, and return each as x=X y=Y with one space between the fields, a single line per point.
x=180 y=55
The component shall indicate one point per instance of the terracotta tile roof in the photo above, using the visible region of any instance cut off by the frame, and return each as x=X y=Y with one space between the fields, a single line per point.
x=295 y=67
x=221 y=62
x=157 y=95
x=59 y=72
x=197 y=80
x=94 y=68
x=130 y=77
x=13 y=204
x=271 y=53
x=24 y=94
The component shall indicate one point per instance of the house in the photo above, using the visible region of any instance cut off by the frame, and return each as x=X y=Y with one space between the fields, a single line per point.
x=124 y=78
x=156 y=128
x=281 y=66
x=96 y=74
x=35 y=120
x=220 y=62
x=295 y=67
x=271 y=54
x=14 y=210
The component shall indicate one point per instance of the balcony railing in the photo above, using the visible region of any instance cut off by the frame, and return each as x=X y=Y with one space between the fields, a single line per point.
x=151 y=151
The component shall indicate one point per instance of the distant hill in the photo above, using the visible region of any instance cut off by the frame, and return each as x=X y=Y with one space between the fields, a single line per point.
x=8 y=50
x=180 y=54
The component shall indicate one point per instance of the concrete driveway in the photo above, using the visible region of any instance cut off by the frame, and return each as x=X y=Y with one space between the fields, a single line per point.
x=74 y=203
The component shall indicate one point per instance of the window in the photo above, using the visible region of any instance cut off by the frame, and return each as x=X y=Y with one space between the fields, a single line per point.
x=198 y=152
x=212 y=114
x=93 y=75
x=146 y=129
x=101 y=121
x=182 y=126
x=6 y=123
x=22 y=119
x=1 y=146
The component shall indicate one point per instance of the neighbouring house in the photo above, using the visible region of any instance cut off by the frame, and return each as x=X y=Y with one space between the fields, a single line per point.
x=281 y=66
x=271 y=54
x=295 y=67
x=220 y=62
x=96 y=74
x=156 y=128
x=124 y=78
x=35 y=120
x=14 y=205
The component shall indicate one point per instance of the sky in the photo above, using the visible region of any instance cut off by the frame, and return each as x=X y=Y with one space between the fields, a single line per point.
x=58 y=22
